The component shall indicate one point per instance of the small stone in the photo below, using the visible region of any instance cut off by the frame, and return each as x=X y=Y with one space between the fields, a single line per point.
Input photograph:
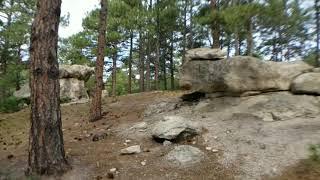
x=99 y=136
x=131 y=150
x=110 y=175
x=194 y=142
x=215 y=137
x=76 y=124
x=113 y=170
x=167 y=143
x=143 y=163
x=209 y=148
x=10 y=156
x=262 y=146
x=128 y=141
x=215 y=150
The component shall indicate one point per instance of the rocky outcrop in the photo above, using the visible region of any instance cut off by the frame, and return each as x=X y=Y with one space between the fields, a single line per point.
x=308 y=83
x=79 y=72
x=239 y=74
x=185 y=156
x=72 y=83
x=204 y=54
x=173 y=128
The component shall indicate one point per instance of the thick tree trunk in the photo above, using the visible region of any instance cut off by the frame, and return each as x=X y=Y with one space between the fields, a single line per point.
x=215 y=28
x=130 y=64
x=96 y=109
x=141 y=63
x=171 y=63
x=46 y=148
x=317 y=7
x=114 y=73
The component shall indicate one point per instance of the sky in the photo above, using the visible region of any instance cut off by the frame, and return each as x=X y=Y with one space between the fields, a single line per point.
x=77 y=10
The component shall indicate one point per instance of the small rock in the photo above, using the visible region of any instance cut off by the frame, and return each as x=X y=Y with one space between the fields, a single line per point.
x=262 y=146
x=215 y=150
x=194 y=142
x=128 y=141
x=113 y=170
x=209 y=148
x=110 y=175
x=10 y=156
x=167 y=143
x=143 y=163
x=99 y=136
x=185 y=156
x=141 y=126
x=131 y=150
x=215 y=137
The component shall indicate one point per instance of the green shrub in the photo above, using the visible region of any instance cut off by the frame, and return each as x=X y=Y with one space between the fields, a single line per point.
x=10 y=104
x=315 y=152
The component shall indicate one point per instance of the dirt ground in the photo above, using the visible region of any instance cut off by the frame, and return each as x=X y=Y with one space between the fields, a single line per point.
x=93 y=159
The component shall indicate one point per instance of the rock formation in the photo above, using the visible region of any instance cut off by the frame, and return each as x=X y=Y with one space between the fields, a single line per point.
x=72 y=83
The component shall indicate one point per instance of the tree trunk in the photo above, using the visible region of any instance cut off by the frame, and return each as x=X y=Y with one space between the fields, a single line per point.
x=148 y=60
x=191 y=25
x=249 y=38
x=96 y=109
x=317 y=7
x=184 y=42
x=46 y=148
x=141 y=63
x=171 y=63
x=237 y=44
x=114 y=73
x=165 y=74
x=215 y=28
x=157 y=60
x=130 y=64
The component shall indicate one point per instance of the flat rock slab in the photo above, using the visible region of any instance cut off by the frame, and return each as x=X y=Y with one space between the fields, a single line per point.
x=131 y=150
x=185 y=156
x=174 y=127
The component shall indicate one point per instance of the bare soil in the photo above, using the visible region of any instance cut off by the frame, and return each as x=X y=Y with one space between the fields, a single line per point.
x=93 y=159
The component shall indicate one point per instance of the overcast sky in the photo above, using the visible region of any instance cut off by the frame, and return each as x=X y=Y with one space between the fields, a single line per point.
x=77 y=10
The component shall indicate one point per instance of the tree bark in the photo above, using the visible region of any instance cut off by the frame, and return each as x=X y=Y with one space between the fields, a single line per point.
x=171 y=63
x=46 y=147
x=317 y=7
x=215 y=28
x=130 y=64
x=141 y=63
x=237 y=44
x=184 y=42
x=157 y=60
x=96 y=108
x=191 y=25
x=114 y=73
x=249 y=38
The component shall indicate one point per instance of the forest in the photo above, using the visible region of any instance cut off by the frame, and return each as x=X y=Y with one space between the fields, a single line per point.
x=136 y=46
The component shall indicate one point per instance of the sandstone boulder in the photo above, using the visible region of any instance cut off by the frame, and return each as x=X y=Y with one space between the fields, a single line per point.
x=80 y=72
x=174 y=127
x=239 y=74
x=185 y=156
x=205 y=54
x=73 y=89
x=308 y=83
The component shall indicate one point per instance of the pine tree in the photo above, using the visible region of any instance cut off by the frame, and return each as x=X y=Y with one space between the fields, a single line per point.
x=96 y=109
x=46 y=149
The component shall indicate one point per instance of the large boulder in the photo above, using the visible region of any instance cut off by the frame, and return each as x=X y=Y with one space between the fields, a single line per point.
x=80 y=72
x=239 y=74
x=173 y=128
x=308 y=83
x=204 y=54
x=72 y=89
x=185 y=156
x=72 y=83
